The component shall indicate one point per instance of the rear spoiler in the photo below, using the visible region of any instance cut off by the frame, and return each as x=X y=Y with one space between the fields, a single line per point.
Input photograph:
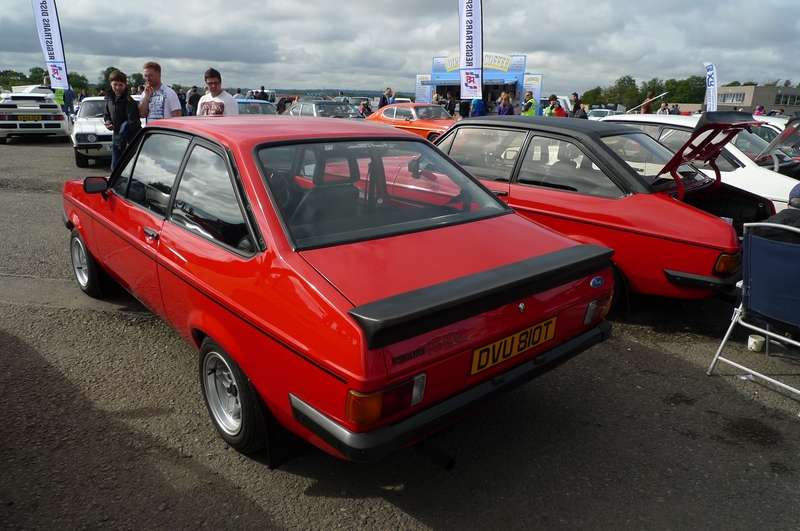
x=716 y=129
x=416 y=312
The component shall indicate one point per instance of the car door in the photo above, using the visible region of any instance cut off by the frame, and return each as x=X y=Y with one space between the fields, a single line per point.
x=490 y=154
x=208 y=246
x=132 y=216
x=562 y=186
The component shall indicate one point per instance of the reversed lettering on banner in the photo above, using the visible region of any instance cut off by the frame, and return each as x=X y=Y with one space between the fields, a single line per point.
x=45 y=15
x=471 y=48
x=711 y=86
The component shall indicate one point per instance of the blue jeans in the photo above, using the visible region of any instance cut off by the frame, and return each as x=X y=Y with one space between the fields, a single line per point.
x=119 y=141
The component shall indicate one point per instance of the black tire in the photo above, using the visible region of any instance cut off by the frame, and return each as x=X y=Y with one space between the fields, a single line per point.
x=2 y=140
x=251 y=435
x=81 y=161
x=92 y=282
x=621 y=307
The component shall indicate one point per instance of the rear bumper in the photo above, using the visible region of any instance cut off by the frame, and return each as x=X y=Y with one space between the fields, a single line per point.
x=724 y=286
x=374 y=445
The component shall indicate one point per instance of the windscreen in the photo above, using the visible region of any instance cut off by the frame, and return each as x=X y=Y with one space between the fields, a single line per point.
x=256 y=107
x=338 y=192
x=337 y=110
x=647 y=158
x=432 y=112
x=92 y=109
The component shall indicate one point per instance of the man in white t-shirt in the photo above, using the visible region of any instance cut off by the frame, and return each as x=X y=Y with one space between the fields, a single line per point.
x=216 y=102
x=158 y=100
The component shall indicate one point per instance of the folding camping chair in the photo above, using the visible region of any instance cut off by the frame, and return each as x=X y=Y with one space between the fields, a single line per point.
x=770 y=291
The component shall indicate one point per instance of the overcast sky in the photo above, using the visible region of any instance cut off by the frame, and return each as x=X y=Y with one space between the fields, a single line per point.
x=374 y=43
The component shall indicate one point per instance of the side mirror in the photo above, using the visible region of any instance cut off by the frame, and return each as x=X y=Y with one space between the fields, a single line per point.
x=95 y=185
x=413 y=168
x=794 y=202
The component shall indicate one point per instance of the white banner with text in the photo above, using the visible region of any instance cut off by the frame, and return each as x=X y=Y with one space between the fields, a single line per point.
x=45 y=16
x=471 y=48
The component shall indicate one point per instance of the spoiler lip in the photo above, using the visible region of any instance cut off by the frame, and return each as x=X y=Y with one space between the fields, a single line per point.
x=409 y=314
x=723 y=127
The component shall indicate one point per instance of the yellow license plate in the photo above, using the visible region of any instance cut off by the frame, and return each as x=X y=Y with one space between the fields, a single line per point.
x=29 y=117
x=509 y=347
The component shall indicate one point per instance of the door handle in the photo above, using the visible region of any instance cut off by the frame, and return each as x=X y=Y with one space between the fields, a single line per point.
x=150 y=234
x=500 y=193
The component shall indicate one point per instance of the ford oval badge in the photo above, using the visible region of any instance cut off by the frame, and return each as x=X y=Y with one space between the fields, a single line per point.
x=521 y=307
x=597 y=282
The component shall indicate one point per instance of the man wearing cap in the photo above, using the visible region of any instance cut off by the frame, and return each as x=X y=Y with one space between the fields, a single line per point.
x=789 y=217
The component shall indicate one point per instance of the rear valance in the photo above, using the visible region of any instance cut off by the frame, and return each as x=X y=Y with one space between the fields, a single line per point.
x=416 y=312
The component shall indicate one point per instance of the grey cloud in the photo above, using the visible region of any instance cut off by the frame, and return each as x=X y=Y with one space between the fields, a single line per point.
x=370 y=44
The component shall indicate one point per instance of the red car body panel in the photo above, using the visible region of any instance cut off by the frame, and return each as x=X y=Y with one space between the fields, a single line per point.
x=283 y=315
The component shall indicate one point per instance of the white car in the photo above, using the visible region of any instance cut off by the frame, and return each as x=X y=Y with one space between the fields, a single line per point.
x=737 y=168
x=599 y=114
x=773 y=126
x=25 y=114
x=90 y=138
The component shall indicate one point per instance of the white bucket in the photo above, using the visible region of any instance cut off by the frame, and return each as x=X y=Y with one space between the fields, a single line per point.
x=755 y=343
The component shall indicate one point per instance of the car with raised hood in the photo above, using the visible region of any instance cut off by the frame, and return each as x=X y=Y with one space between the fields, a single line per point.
x=91 y=139
x=424 y=119
x=745 y=162
x=674 y=230
x=293 y=256
x=31 y=114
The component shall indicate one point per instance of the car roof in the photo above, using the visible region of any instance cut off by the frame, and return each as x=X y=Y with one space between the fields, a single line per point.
x=94 y=98
x=569 y=125
x=258 y=129
x=408 y=105
x=251 y=100
x=668 y=119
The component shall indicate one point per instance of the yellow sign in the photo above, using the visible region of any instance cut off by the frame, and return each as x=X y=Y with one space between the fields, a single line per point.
x=486 y=357
x=491 y=61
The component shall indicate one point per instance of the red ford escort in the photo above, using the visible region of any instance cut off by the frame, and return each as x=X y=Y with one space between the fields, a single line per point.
x=342 y=280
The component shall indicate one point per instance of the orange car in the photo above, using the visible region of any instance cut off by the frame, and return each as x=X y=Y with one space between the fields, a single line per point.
x=424 y=119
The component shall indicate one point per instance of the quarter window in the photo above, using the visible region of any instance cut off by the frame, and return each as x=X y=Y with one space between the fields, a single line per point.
x=562 y=165
x=404 y=114
x=389 y=113
x=487 y=153
x=307 y=110
x=206 y=203
x=155 y=171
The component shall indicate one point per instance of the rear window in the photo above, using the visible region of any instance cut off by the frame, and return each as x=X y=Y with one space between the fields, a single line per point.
x=338 y=192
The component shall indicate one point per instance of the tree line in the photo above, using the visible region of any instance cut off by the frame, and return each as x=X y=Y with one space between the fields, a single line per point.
x=78 y=81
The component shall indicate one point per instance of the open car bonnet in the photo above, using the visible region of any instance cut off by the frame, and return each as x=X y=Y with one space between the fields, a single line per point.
x=713 y=132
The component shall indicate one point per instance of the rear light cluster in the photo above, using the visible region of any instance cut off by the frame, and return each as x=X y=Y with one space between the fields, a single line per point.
x=7 y=117
x=364 y=410
x=727 y=264
x=598 y=309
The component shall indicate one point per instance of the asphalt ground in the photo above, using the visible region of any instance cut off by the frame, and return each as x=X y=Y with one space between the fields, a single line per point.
x=103 y=426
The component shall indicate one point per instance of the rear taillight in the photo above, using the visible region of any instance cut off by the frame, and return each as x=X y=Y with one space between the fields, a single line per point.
x=56 y=117
x=366 y=409
x=6 y=117
x=727 y=264
x=598 y=309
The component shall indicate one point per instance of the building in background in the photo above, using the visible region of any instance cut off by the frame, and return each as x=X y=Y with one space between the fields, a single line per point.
x=501 y=73
x=749 y=97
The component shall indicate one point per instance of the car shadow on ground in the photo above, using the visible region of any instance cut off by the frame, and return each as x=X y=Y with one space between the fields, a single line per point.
x=68 y=465
x=599 y=443
x=39 y=141
x=709 y=317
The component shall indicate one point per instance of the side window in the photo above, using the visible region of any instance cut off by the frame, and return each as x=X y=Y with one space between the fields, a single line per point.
x=307 y=110
x=487 y=153
x=295 y=111
x=389 y=113
x=674 y=139
x=121 y=183
x=562 y=165
x=155 y=171
x=403 y=114
x=206 y=203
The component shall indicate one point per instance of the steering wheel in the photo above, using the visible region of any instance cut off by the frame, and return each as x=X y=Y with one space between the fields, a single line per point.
x=282 y=189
